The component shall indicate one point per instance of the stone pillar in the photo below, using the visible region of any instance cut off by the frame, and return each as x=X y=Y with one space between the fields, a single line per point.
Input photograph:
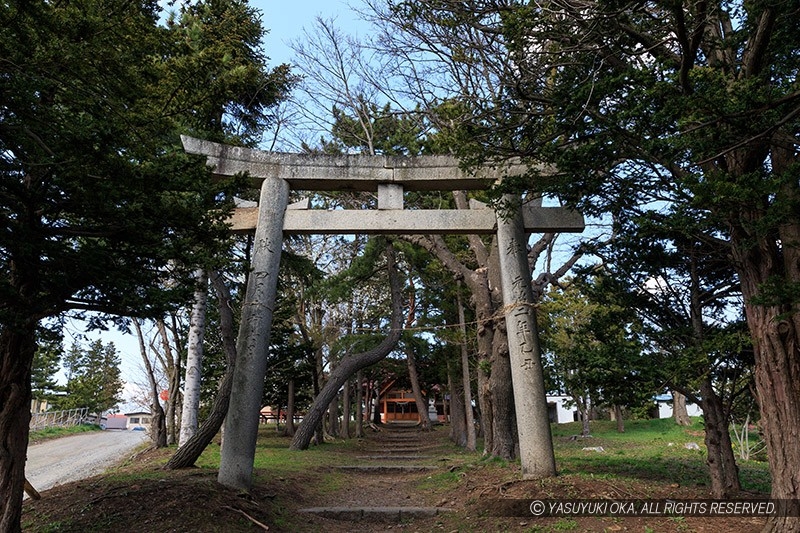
x=530 y=400
x=252 y=345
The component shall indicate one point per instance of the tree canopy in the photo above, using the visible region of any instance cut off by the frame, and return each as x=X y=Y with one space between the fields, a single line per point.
x=94 y=379
x=101 y=210
x=683 y=108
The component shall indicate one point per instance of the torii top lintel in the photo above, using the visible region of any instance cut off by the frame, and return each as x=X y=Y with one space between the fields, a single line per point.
x=347 y=172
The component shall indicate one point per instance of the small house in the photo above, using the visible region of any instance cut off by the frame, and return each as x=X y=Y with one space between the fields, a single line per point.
x=139 y=420
x=115 y=421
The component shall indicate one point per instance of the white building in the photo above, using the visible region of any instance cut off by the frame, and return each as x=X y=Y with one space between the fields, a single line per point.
x=664 y=404
x=558 y=412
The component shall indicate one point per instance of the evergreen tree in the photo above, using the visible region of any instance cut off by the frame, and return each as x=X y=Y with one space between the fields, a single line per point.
x=101 y=209
x=46 y=363
x=93 y=377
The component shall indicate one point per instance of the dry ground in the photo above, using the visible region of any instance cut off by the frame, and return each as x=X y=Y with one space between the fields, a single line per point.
x=141 y=497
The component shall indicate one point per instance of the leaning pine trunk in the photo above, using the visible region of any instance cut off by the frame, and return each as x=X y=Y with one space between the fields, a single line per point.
x=349 y=365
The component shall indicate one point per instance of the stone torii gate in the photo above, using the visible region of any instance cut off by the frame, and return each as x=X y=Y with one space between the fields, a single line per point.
x=276 y=174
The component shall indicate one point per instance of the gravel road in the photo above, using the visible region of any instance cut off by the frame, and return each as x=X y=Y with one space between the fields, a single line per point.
x=80 y=456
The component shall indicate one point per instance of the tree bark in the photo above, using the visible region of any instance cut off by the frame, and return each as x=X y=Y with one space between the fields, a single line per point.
x=458 y=424
x=289 y=430
x=721 y=460
x=618 y=417
x=679 y=412
x=333 y=416
x=18 y=345
x=345 y=431
x=319 y=436
x=584 y=409
x=485 y=405
x=194 y=360
x=413 y=376
x=360 y=404
x=471 y=438
x=776 y=335
x=504 y=434
x=158 y=424
x=188 y=453
x=352 y=364
x=171 y=363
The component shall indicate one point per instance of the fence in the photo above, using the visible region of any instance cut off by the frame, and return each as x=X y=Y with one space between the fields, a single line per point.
x=71 y=417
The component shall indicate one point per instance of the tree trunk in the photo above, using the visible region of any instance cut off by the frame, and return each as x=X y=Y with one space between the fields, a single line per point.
x=289 y=431
x=194 y=360
x=775 y=330
x=504 y=435
x=188 y=453
x=18 y=344
x=721 y=460
x=353 y=363
x=485 y=406
x=360 y=404
x=345 y=431
x=458 y=425
x=318 y=436
x=171 y=364
x=333 y=416
x=413 y=376
x=618 y=417
x=584 y=409
x=479 y=285
x=158 y=424
x=471 y=438
x=679 y=412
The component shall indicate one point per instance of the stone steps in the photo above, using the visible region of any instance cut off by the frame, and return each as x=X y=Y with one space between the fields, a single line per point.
x=375 y=514
x=392 y=453
x=396 y=457
x=377 y=469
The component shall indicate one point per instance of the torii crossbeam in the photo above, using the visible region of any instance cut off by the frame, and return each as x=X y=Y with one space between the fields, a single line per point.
x=276 y=174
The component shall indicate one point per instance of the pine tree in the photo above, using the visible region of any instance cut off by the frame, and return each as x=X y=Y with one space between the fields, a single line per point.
x=93 y=377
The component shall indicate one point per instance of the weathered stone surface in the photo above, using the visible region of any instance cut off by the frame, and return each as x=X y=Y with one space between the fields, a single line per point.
x=410 y=222
x=347 y=172
x=241 y=423
x=530 y=404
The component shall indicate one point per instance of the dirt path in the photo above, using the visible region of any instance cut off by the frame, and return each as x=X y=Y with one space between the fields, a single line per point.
x=68 y=459
x=380 y=483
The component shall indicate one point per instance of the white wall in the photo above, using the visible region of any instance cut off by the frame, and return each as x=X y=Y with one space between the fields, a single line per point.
x=564 y=414
x=665 y=409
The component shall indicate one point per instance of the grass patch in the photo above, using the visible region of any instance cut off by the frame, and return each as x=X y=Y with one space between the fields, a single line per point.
x=42 y=435
x=652 y=450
